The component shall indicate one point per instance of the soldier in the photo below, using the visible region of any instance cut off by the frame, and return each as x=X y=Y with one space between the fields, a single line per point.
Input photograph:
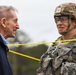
x=60 y=58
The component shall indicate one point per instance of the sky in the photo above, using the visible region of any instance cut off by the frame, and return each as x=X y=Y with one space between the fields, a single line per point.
x=35 y=17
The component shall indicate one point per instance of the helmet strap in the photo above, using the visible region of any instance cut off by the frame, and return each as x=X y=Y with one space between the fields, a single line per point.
x=68 y=30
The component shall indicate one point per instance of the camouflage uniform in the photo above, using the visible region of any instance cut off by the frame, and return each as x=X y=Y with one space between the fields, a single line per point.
x=60 y=58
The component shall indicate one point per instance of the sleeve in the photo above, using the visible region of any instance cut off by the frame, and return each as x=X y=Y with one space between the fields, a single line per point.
x=1 y=66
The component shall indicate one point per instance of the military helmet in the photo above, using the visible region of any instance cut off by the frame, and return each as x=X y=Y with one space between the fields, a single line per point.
x=66 y=9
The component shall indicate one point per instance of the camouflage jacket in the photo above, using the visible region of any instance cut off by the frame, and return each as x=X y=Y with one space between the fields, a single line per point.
x=59 y=59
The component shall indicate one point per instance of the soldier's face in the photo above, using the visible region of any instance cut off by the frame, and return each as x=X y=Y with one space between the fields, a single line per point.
x=62 y=23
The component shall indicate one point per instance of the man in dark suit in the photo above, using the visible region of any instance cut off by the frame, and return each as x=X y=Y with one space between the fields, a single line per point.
x=8 y=26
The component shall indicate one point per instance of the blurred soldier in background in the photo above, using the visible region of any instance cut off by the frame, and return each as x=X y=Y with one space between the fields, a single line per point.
x=8 y=27
x=60 y=58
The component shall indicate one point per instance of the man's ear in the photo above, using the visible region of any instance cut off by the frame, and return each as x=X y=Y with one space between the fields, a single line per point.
x=74 y=23
x=3 y=22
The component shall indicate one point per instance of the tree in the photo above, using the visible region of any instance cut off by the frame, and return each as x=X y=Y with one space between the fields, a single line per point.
x=20 y=38
x=21 y=65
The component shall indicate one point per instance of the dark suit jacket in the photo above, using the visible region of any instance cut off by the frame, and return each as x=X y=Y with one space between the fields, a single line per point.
x=5 y=68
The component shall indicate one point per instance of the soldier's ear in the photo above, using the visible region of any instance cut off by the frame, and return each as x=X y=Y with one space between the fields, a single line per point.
x=3 y=22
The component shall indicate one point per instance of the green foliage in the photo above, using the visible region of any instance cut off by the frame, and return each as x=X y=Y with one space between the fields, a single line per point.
x=26 y=66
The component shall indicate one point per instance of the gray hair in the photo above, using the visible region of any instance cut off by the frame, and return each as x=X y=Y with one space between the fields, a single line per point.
x=4 y=11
